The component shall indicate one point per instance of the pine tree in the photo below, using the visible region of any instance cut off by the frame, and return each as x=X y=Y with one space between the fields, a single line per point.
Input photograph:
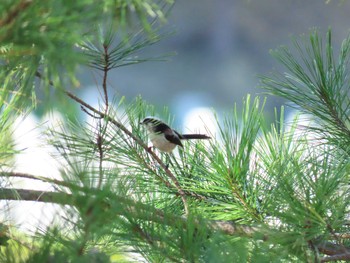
x=257 y=192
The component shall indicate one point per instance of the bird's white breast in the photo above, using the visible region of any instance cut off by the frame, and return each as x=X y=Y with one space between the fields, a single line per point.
x=160 y=142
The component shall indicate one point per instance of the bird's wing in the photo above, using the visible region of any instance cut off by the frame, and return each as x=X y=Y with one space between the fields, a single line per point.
x=173 y=137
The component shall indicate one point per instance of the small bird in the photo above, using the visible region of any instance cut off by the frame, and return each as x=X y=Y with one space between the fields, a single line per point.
x=165 y=138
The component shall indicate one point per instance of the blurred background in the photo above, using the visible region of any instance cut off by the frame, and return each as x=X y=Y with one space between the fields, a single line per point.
x=221 y=48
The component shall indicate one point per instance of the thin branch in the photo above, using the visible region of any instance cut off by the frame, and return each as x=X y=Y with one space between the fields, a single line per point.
x=100 y=157
x=88 y=113
x=138 y=209
x=41 y=178
x=134 y=207
x=136 y=228
x=40 y=76
x=345 y=256
x=329 y=248
x=232 y=229
x=38 y=196
x=8 y=19
x=148 y=238
x=105 y=73
x=74 y=186
x=105 y=93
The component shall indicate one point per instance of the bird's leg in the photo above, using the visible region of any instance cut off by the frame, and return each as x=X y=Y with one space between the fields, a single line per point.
x=168 y=160
x=167 y=157
x=149 y=149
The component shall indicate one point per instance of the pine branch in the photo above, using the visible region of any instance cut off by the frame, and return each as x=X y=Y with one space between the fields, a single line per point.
x=332 y=249
x=21 y=6
x=102 y=115
x=105 y=74
x=139 y=142
x=317 y=84
x=135 y=207
x=336 y=252
x=38 y=196
x=344 y=256
x=40 y=178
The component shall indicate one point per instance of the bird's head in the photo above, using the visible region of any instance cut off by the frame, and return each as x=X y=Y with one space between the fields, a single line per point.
x=151 y=123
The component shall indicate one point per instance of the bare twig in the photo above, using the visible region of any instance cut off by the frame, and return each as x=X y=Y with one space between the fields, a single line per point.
x=38 y=196
x=88 y=113
x=36 y=177
x=105 y=73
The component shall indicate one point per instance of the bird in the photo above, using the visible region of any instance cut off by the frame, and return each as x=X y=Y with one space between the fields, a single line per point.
x=165 y=138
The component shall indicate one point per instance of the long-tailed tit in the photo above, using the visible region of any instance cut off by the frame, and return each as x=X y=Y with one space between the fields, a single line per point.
x=165 y=138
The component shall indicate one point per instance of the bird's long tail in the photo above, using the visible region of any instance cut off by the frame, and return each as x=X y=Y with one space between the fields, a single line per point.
x=194 y=136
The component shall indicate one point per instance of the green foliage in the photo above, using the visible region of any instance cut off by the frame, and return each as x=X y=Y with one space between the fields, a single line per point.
x=122 y=51
x=43 y=36
x=318 y=84
x=221 y=170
